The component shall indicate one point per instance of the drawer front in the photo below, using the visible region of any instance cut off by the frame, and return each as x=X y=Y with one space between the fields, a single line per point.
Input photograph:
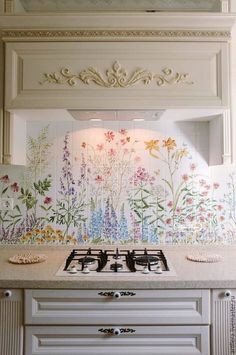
x=101 y=307
x=128 y=75
x=162 y=340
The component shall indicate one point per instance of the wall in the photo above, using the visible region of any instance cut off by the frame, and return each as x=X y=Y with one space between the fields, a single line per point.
x=118 y=182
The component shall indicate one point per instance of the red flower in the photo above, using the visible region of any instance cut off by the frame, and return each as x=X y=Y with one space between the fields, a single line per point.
x=112 y=152
x=192 y=167
x=5 y=179
x=109 y=136
x=15 y=187
x=99 y=179
x=170 y=204
x=168 y=221
x=185 y=177
x=47 y=200
x=83 y=145
x=189 y=201
x=123 y=131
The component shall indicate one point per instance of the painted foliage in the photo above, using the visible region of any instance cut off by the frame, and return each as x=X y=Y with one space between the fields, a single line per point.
x=118 y=189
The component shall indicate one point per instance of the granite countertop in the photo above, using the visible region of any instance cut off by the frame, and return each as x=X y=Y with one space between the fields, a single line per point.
x=188 y=274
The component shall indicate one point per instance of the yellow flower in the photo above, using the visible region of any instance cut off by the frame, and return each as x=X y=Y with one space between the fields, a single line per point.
x=28 y=234
x=182 y=153
x=85 y=238
x=169 y=144
x=152 y=145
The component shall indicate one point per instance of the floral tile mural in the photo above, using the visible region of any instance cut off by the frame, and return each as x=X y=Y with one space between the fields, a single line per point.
x=117 y=184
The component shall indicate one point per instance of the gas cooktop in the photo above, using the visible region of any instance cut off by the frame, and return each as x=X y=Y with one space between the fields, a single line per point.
x=116 y=261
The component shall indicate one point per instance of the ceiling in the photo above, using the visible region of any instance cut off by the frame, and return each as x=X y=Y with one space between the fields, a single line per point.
x=120 y=5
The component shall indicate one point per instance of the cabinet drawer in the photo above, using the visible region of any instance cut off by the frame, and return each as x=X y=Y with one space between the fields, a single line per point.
x=153 y=340
x=101 y=307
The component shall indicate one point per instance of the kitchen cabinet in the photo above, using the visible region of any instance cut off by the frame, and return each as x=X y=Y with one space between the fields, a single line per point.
x=135 y=322
x=11 y=322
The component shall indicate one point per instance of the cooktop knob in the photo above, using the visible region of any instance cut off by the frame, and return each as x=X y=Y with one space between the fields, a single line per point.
x=158 y=269
x=86 y=270
x=116 y=295
x=7 y=293
x=146 y=270
x=73 y=270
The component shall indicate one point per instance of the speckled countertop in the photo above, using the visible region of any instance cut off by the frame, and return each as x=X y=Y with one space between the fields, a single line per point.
x=188 y=274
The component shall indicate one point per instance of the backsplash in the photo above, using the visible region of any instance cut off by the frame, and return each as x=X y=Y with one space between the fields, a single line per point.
x=117 y=183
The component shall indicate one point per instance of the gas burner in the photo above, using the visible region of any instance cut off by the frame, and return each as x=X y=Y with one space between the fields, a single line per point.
x=87 y=260
x=116 y=267
x=110 y=261
x=147 y=259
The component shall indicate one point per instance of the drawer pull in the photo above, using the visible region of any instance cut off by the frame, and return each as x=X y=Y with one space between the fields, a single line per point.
x=116 y=294
x=116 y=331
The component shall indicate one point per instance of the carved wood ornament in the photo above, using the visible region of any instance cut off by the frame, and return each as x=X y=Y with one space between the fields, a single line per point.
x=115 y=77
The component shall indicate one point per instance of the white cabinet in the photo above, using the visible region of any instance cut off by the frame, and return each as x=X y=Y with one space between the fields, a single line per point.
x=223 y=322
x=120 y=75
x=88 y=322
x=11 y=322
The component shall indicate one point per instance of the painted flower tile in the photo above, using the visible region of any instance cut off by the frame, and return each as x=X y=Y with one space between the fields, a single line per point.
x=118 y=183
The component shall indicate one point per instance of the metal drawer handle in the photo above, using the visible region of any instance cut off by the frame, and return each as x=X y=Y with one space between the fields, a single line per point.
x=116 y=294
x=116 y=331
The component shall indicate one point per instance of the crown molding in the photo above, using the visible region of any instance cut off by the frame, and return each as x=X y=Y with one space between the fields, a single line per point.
x=91 y=35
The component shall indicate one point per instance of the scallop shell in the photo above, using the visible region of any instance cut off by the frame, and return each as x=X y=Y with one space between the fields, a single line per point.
x=27 y=258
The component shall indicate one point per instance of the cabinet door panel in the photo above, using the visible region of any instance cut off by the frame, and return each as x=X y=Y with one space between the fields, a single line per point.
x=11 y=323
x=171 y=340
x=138 y=75
x=135 y=306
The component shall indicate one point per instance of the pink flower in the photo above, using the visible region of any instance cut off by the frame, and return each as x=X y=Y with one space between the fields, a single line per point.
x=126 y=151
x=185 y=177
x=123 y=141
x=202 y=182
x=47 y=200
x=178 y=210
x=219 y=207
x=137 y=159
x=216 y=185
x=83 y=145
x=15 y=187
x=123 y=131
x=202 y=209
x=170 y=204
x=5 y=179
x=168 y=221
x=202 y=219
x=99 y=179
x=209 y=215
x=100 y=147
x=204 y=193
x=189 y=201
x=109 y=136
x=190 y=218
x=222 y=218
x=207 y=187
x=192 y=167
x=112 y=152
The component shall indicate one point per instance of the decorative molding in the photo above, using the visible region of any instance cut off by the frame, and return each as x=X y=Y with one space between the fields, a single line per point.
x=114 y=34
x=115 y=77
